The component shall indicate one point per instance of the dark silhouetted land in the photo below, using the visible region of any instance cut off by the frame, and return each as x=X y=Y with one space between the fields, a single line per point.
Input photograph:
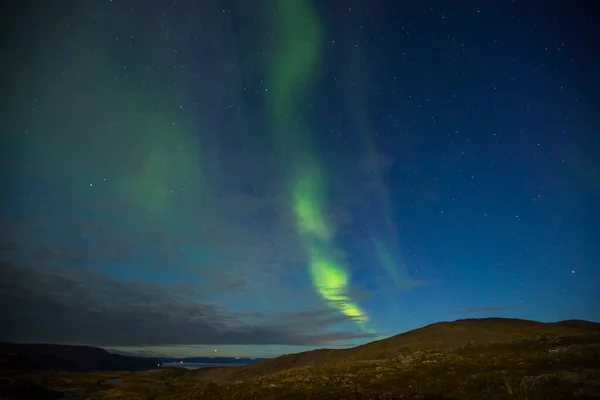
x=467 y=359
x=70 y=358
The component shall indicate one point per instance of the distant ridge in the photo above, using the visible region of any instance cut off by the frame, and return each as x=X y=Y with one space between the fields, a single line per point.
x=579 y=323
x=38 y=356
x=438 y=336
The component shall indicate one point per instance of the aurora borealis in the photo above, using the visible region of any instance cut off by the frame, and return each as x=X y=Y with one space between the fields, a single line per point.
x=296 y=62
x=265 y=178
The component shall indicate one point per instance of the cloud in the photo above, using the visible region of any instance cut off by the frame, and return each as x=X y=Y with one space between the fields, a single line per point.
x=482 y=310
x=8 y=246
x=81 y=306
x=214 y=220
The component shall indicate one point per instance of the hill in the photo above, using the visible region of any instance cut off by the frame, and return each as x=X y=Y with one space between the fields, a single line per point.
x=465 y=359
x=438 y=336
x=20 y=356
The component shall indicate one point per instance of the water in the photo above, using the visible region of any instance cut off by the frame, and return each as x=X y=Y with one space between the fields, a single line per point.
x=200 y=365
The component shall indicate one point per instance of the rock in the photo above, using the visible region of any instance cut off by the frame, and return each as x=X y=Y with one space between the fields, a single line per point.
x=557 y=350
x=404 y=359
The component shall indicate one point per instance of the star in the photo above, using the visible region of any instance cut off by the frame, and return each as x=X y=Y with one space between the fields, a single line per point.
x=312 y=167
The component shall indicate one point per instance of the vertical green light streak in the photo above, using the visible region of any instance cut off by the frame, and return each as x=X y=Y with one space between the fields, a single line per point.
x=295 y=62
x=328 y=275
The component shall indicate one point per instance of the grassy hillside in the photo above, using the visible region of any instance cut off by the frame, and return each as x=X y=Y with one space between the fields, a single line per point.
x=438 y=336
x=469 y=359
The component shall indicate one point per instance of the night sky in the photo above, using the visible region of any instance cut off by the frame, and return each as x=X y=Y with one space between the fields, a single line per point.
x=264 y=177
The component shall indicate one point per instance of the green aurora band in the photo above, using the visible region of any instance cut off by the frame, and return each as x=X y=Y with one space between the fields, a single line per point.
x=144 y=153
x=296 y=60
x=386 y=245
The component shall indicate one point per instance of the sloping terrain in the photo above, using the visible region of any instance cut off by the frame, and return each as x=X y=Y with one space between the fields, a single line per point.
x=466 y=359
x=548 y=367
x=438 y=336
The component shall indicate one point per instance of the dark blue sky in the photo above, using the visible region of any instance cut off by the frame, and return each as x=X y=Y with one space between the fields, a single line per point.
x=181 y=177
